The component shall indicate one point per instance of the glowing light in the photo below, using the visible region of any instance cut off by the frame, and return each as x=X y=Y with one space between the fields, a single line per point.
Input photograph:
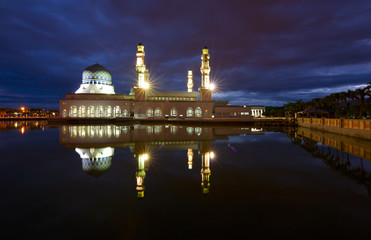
x=22 y=108
x=145 y=156
x=212 y=155
x=22 y=130
x=146 y=85
x=212 y=86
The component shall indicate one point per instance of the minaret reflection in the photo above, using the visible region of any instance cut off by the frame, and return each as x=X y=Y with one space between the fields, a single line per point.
x=143 y=159
x=95 y=161
x=96 y=144
x=190 y=158
x=206 y=155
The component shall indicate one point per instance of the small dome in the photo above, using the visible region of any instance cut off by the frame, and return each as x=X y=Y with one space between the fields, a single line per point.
x=97 y=72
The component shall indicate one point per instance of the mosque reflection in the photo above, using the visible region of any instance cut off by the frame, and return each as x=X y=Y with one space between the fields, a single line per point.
x=96 y=145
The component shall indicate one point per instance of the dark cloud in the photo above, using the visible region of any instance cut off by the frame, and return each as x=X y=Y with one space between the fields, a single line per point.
x=262 y=52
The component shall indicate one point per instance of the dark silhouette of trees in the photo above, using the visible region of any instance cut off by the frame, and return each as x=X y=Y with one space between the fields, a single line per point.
x=351 y=103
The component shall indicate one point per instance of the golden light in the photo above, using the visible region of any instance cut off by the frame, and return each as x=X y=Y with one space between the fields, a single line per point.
x=212 y=86
x=146 y=85
x=212 y=155
x=22 y=130
x=145 y=156
x=22 y=108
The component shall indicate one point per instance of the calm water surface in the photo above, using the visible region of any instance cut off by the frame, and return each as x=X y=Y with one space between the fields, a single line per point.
x=140 y=182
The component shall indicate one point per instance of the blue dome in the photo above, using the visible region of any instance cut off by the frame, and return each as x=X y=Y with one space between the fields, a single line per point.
x=96 y=167
x=96 y=73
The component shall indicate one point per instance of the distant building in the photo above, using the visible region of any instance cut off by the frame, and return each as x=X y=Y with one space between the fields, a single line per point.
x=96 y=97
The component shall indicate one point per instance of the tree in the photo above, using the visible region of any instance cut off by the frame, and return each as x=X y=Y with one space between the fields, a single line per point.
x=361 y=94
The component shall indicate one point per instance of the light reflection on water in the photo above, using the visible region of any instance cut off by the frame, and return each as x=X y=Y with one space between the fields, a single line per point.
x=269 y=182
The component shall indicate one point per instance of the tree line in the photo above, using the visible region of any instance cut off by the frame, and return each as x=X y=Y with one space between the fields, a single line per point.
x=350 y=104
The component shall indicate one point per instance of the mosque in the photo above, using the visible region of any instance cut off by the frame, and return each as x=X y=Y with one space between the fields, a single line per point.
x=96 y=97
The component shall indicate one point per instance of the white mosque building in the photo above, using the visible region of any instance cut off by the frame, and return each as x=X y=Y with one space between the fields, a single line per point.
x=96 y=97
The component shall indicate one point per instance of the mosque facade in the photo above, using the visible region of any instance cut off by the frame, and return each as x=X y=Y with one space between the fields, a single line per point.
x=96 y=97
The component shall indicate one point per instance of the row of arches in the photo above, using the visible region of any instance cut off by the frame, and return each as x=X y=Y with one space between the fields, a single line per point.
x=93 y=131
x=174 y=112
x=95 y=111
x=109 y=111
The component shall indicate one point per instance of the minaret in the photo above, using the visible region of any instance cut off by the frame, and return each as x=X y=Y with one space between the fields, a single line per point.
x=141 y=174
x=190 y=81
x=142 y=72
x=206 y=155
x=142 y=75
x=205 y=68
x=205 y=91
x=205 y=173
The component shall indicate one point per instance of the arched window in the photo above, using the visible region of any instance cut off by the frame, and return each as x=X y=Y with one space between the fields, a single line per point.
x=73 y=131
x=149 y=129
x=99 y=112
x=173 y=129
x=73 y=111
x=158 y=112
x=198 y=131
x=158 y=129
x=190 y=130
x=90 y=112
x=198 y=112
x=81 y=131
x=100 y=131
x=173 y=112
x=91 y=131
x=117 y=131
x=64 y=114
x=116 y=111
x=149 y=112
x=189 y=112
x=126 y=113
x=108 y=131
x=108 y=111
x=82 y=111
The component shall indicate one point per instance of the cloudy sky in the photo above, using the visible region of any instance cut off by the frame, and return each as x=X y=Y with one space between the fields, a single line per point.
x=262 y=52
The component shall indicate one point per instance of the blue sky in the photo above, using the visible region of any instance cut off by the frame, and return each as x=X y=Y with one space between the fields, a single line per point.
x=262 y=52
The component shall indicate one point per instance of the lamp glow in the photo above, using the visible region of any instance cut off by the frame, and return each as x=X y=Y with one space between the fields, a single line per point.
x=212 y=86
x=146 y=85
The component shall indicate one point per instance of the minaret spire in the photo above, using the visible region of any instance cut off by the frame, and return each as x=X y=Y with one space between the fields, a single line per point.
x=142 y=72
x=205 y=68
x=206 y=89
x=190 y=81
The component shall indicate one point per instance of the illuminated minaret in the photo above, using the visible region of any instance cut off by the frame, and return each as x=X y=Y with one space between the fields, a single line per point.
x=141 y=68
x=206 y=154
x=141 y=173
x=190 y=81
x=190 y=158
x=205 y=91
x=205 y=68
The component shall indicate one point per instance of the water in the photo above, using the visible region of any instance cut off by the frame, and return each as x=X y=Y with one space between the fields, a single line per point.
x=139 y=182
